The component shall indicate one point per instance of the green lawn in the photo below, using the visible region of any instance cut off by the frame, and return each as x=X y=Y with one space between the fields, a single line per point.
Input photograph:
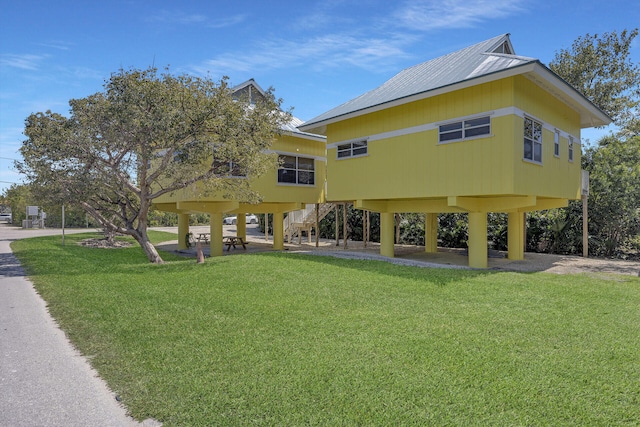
x=290 y=340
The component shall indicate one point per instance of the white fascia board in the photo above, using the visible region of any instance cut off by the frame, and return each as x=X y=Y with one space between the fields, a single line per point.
x=305 y=135
x=590 y=115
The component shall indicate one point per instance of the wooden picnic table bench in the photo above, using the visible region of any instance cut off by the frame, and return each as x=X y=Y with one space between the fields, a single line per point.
x=203 y=237
x=233 y=241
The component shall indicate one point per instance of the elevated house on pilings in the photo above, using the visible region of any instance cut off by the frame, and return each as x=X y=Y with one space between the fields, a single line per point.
x=298 y=182
x=478 y=130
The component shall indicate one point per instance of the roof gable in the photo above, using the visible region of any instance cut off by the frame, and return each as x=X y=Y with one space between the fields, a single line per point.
x=437 y=75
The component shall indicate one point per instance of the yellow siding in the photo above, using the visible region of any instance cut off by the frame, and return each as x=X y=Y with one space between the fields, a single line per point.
x=415 y=165
x=557 y=176
x=267 y=185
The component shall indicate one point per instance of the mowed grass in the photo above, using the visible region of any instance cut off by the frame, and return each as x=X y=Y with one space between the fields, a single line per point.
x=290 y=340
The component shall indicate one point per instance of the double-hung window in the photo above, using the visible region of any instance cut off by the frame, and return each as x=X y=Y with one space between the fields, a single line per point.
x=352 y=149
x=571 y=149
x=532 y=140
x=296 y=170
x=556 y=144
x=465 y=129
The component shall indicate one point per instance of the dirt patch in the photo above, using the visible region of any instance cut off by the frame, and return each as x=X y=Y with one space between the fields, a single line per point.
x=104 y=243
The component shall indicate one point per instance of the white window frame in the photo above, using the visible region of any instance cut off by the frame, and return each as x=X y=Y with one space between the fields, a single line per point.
x=352 y=149
x=570 y=148
x=297 y=172
x=462 y=130
x=556 y=143
x=533 y=136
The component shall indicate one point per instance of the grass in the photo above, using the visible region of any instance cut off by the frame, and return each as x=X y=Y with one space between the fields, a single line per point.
x=285 y=339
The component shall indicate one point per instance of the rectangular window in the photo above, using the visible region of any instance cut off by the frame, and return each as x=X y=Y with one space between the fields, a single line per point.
x=465 y=129
x=556 y=144
x=532 y=140
x=571 y=149
x=226 y=168
x=352 y=149
x=296 y=170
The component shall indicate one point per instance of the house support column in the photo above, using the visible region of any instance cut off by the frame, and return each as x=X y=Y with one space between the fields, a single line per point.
x=183 y=229
x=387 y=223
x=215 y=228
x=478 y=240
x=241 y=226
x=278 y=231
x=431 y=232
x=515 y=235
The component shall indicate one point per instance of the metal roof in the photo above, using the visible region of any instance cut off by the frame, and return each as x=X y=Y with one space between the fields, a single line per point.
x=292 y=127
x=486 y=58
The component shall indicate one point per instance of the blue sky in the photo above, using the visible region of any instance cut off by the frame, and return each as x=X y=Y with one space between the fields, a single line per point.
x=316 y=54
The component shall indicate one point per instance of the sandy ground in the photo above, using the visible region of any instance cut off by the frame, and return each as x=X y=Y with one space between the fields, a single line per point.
x=415 y=255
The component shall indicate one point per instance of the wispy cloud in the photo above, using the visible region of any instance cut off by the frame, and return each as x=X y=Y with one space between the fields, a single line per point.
x=56 y=44
x=182 y=18
x=380 y=37
x=23 y=62
x=176 y=17
x=318 y=53
x=226 y=22
x=428 y=15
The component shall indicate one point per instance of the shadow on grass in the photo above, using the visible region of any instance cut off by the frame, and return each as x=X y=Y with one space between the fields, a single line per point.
x=438 y=276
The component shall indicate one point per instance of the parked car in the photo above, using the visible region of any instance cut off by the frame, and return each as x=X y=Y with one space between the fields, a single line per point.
x=249 y=219
x=6 y=217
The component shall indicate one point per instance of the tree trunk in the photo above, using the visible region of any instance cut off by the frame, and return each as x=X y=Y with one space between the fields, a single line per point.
x=150 y=251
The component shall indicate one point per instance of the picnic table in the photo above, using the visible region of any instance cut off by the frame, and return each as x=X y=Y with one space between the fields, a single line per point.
x=233 y=241
x=204 y=237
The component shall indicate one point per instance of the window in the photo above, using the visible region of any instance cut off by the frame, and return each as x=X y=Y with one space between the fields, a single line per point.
x=228 y=168
x=556 y=144
x=296 y=170
x=532 y=140
x=224 y=167
x=352 y=149
x=465 y=129
x=571 y=149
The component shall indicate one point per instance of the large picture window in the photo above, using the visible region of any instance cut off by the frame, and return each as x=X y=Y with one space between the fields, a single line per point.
x=532 y=140
x=296 y=170
x=352 y=149
x=465 y=129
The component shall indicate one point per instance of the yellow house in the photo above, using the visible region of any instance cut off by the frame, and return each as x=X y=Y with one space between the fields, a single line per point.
x=298 y=181
x=478 y=130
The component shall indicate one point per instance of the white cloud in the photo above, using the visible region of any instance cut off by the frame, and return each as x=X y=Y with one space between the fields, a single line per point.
x=181 y=18
x=23 y=62
x=320 y=52
x=428 y=15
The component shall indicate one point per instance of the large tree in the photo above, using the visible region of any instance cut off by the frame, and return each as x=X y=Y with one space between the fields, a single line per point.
x=601 y=68
x=145 y=135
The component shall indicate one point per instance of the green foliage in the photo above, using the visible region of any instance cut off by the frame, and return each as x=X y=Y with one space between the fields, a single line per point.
x=162 y=219
x=601 y=68
x=614 y=199
x=145 y=135
x=284 y=339
x=18 y=197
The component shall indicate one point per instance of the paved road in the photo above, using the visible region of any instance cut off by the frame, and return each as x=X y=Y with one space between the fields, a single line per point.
x=43 y=379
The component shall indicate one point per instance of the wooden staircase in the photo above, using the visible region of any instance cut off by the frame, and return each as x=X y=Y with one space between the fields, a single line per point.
x=304 y=220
